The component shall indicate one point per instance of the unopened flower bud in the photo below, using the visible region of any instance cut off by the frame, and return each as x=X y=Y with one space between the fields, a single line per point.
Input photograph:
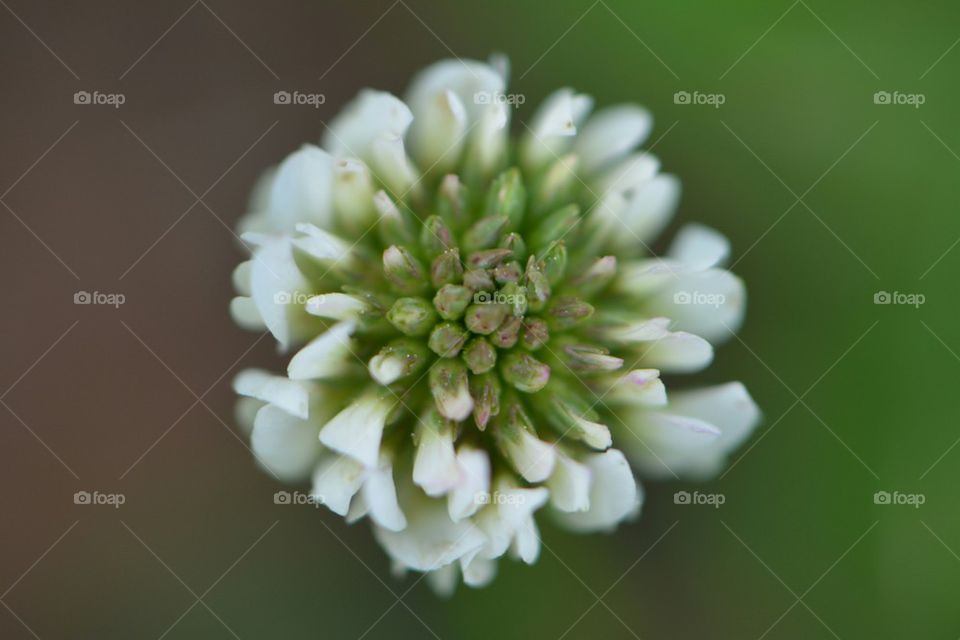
x=487 y=258
x=484 y=318
x=567 y=311
x=452 y=201
x=535 y=333
x=448 y=384
x=484 y=233
x=400 y=358
x=403 y=270
x=452 y=300
x=514 y=242
x=447 y=339
x=412 y=316
x=507 y=197
x=478 y=280
x=525 y=372
x=589 y=359
x=435 y=237
x=597 y=276
x=555 y=226
x=479 y=355
x=485 y=390
x=507 y=333
x=446 y=268
x=554 y=261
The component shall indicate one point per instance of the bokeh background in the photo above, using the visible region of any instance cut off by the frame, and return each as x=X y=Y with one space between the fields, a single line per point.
x=827 y=196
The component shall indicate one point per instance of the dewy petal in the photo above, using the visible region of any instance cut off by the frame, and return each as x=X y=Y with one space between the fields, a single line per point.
x=289 y=395
x=335 y=481
x=614 y=494
x=552 y=128
x=435 y=466
x=610 y=134
x=569 y=485
x=380 y=494
x=285 y=445
x=356 y=431
x=302 y=190
x=431 y=540
x=329 y=355
x=275 y=285
x=474 y=491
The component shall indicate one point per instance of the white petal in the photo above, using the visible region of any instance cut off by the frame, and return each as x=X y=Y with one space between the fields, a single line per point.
x=443 y=581
x=474 y=491
x=327 y=356
x=387 y=368
x=479 y=572
x=646 y=211
x=610 y=134
x=678 y=352
x=629 y=174
x=302 y=190
x=569 y=485
x=245 y=413
x=710 y=304
x=614 y=494
x=353 y=195
x=243 y=311
x=293 y=397
x=241 y=278
x=699 y=245
x=380 y=494
x=437 y=144
x=322 y=245
x=285 y=445
x=532 y=458
x=275 y=283
x=667 y=444
x=594 y=434
x=335 y=481
x=435 y=465
x=552 y=128
x=371 y=116
x=526 y=543
x=356 y=431
x=640 y=387
x=336 y=306
x=431 y=540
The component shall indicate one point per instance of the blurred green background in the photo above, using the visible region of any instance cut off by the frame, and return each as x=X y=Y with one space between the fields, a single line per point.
x=827 y=197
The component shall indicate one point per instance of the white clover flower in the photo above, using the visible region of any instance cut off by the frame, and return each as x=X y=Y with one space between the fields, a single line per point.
x=477 y=325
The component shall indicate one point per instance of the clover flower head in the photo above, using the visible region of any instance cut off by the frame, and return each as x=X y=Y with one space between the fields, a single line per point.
x=478 y=327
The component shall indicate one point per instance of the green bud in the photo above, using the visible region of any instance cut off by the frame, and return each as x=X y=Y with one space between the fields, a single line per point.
x=538 y=287
x=555 y=226
x=485 y=317
x=485 y=233
x=485 y=390
x=515 y=296
x=448 y=385
x=524 y=372
x=507 y=272
x=447 y=339
x=446 y=268
x=507 y=197
x=567 y=413
x=479 y=355
x=400 y=358
x=506 y=334
x=452 y=300
x=452 y=201
x=412 y=316
x=535 y=334
x=597 y=276
x=568 y=311
x=587 y=359
x=515 y=243
x=403 y=270
x=435 y=237
x=554 y=260
x=478 y=280
x=487 y=258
